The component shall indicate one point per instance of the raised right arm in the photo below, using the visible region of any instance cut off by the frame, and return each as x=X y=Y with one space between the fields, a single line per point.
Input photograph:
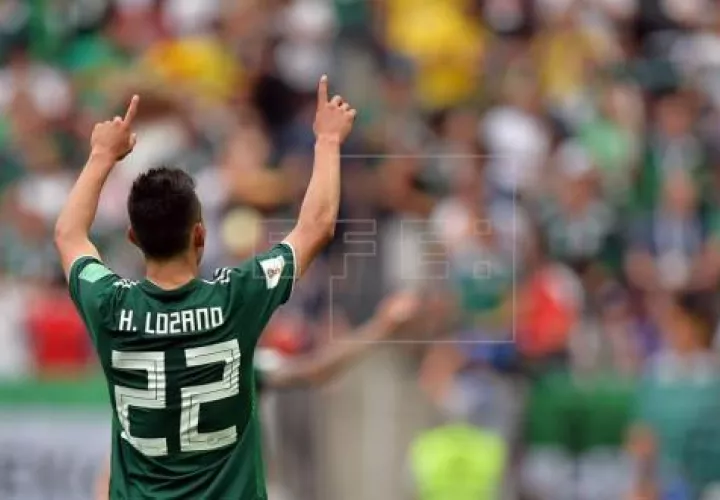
x=110 y=141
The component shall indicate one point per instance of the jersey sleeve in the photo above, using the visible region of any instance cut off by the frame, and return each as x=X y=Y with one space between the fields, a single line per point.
x=262 y=284
x=275 y=275
x=268 y=278
x=90 y=282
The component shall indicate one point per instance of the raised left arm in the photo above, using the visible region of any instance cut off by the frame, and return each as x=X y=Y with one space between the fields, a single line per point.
x=111 y=141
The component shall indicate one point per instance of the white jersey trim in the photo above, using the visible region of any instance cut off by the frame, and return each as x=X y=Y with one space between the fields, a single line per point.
x=221 y=276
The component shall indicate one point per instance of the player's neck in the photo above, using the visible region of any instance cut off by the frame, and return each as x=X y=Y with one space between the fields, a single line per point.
x=173 y=273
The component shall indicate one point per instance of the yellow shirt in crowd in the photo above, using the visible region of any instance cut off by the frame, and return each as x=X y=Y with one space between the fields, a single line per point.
x=444 y=42
x=564 y=58
x=201 y=63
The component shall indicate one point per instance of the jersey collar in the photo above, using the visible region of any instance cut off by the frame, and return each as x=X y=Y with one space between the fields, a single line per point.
x=151 y=288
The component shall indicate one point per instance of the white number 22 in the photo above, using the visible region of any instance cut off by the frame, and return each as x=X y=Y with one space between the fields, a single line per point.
x=154 y=397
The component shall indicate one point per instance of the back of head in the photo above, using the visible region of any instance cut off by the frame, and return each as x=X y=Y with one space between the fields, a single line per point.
x=163 y=209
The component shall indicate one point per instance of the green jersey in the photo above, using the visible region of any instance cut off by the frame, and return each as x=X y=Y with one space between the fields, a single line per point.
x=179 y=368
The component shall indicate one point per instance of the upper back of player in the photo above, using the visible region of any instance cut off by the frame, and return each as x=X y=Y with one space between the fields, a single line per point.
x=179 y=370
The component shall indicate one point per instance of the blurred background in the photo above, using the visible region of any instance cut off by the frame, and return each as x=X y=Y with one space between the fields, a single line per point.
x=545 y=173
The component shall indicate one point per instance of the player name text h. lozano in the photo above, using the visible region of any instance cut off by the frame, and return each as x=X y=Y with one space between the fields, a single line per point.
x=172 y=323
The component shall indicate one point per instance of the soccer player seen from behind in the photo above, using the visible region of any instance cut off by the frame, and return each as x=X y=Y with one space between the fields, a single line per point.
x=177 y=351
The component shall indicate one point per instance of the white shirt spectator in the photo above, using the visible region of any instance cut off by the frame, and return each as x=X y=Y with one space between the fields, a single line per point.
x=518 y=144
x=191 y=17
x=47 y=88
x=44 y=195
x=14 y=356
x=305 y=53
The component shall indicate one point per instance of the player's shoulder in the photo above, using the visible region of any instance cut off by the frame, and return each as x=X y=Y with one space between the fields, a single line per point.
x=89 y=271
x=268 y=266
x=124 y=283
x=93 y=284
x=221 y=276
x=227 y=277
x=96 y=289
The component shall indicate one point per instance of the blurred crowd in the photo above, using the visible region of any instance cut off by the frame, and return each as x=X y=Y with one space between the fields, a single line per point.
x=544 y=172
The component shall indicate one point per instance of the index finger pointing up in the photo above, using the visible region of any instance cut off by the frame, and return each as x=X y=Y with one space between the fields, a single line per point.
x=132 y=110
x=323 y=90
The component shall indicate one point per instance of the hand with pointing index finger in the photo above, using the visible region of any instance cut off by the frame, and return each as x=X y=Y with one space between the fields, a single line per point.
x=334 y=118
x=115 y=138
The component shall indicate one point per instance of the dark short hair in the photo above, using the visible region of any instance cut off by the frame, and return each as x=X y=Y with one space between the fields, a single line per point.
x=163 y=208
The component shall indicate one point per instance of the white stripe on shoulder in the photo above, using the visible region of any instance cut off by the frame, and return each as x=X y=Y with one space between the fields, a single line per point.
x=125 y=283
x=221 y=276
